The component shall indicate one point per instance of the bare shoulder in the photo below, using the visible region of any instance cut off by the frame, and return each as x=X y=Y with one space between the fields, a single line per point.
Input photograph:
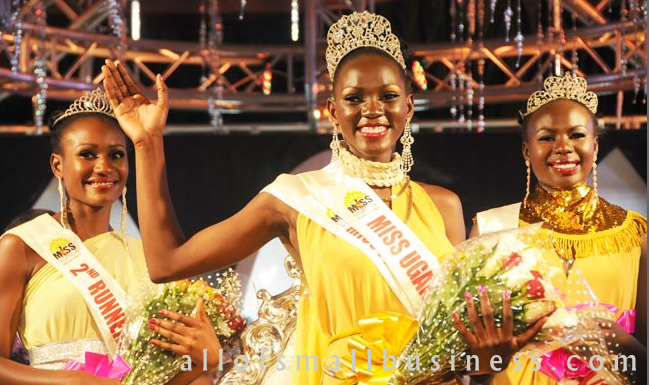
x=450 y=207
x=16 y=256
x=442 y=197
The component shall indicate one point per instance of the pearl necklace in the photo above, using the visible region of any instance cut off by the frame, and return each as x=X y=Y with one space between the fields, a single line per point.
x=376 y=174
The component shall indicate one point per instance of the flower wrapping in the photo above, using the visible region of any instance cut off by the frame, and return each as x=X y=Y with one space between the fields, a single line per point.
x=101 y=365
x=519 y=260
x=151 y=365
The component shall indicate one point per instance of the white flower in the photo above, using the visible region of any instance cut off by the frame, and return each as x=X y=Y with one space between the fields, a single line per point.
x=490 y=268
x=518 y=276
x=534 y=311
x=562 y=317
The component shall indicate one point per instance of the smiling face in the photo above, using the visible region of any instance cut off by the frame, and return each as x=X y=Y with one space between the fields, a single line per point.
x=560 y=144
x=92 y=161
x=371 y=104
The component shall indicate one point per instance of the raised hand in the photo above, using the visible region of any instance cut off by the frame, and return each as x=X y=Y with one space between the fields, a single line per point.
x=488 y=339
x=137 y=115
x=191 y=336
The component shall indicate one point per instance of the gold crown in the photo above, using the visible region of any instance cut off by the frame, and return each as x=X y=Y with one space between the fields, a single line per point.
x=90 y=102
x=361 y=30
x=567 y=87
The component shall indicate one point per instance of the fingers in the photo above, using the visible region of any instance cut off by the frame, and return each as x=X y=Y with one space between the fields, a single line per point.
x=161 y=88
x=201 y=316
x=476 y=323
x=119 y=81
x=524 y=337
x=178 y=349
x=128 y=82
x=507 y=328
x=112 y=90
x=464 y=332
x=487 y=312
x=181 y=320
x=170 y=330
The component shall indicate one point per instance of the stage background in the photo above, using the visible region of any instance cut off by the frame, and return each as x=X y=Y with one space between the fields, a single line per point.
x=212 y=176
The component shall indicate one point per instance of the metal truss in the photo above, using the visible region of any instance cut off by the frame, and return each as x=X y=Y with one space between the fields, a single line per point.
x=230 y=75
x=624 y=42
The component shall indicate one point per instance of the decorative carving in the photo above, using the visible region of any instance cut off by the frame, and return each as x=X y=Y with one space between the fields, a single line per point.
x=272 y=330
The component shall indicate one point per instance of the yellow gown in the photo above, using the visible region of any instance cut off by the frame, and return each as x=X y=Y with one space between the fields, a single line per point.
x=344 y=285
x=54 y=310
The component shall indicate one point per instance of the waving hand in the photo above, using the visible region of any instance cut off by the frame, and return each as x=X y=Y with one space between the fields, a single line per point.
x=137 y=115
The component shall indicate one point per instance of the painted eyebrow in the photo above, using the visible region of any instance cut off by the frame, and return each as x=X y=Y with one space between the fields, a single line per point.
x=551 y=129
x=93 y=145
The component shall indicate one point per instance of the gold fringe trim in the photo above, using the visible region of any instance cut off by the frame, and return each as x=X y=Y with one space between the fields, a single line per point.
x=619 y=239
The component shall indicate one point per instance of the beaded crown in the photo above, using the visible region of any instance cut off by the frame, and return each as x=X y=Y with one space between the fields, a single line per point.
x=567 y=87
x=358 y=30
x=90 y=102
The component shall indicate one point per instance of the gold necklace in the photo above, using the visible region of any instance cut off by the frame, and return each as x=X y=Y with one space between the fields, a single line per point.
x=407 y=187
x=392 y=197
x=409 y=207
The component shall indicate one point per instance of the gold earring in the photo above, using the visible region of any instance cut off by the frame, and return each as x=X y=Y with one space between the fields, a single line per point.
x=335 y=145
x=123 y=219
x=529 y=177
x=406 y=155
x=595 y=175
x=64 y=206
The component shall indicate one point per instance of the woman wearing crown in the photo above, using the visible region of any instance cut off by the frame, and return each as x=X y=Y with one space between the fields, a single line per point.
x=60 y=272
x=368 y=239
x=604 y=241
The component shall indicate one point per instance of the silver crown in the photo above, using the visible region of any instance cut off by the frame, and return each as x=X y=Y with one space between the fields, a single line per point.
x=90 y=102
x=567 y=87
x=361 y=30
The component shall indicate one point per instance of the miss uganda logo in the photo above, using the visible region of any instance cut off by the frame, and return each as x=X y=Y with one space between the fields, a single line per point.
x=356 y=201
x=61 y=247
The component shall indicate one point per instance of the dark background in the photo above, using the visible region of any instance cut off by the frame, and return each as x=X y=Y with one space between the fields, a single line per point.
x=213 y=176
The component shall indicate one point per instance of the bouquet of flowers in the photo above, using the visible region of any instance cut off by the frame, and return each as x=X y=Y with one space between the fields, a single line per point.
x=516 y=260
x=151 y=365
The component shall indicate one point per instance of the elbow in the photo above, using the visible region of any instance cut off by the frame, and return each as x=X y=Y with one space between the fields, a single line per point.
x=159 y=276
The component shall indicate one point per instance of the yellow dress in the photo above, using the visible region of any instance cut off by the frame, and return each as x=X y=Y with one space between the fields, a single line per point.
x=609 y=260
x=54 y=310
x=344 y=285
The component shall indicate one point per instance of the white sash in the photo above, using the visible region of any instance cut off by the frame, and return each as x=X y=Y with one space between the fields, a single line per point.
x=64 y=250
x=350 y=209
x=499 y=218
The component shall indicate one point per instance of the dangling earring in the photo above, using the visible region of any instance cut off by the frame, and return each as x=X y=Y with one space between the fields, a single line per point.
x=529 y=177
x=406 y=154
x=64 y=207
x=595 y=175
x=334 y=145
x=123 y=219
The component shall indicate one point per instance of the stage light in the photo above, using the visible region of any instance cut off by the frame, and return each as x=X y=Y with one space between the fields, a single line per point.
x=295 y=20
x=135 y=20
x=266 y=81
x=419 y=75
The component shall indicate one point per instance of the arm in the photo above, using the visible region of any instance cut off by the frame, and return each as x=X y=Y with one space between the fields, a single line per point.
x=16 y=264
x=168 y=254
x=450 y=207
x=475 y=231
